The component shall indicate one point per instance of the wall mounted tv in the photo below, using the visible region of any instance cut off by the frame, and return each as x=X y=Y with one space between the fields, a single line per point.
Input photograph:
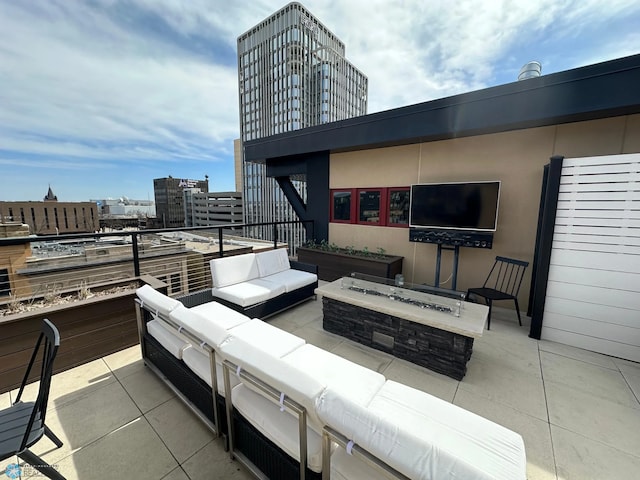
x=455 y=205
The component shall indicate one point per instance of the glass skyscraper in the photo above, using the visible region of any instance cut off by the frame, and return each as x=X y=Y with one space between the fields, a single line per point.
x=292 y=74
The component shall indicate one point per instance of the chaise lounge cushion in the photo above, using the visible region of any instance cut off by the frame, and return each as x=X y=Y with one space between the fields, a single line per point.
x=167 y=337
x=425 y=437
x=156 y=302
x=249 y=292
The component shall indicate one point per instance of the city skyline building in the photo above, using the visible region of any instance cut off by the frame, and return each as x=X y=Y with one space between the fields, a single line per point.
x=213 y=208
x=169 y=198
x=51 y=216
x=292 y=74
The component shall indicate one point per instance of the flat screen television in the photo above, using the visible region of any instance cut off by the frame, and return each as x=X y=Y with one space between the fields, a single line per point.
x=455 y=205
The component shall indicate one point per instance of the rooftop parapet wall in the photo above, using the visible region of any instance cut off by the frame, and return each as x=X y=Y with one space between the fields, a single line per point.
x=13 y=229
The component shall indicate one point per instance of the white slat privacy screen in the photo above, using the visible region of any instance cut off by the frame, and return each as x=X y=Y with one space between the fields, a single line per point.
x=593 y=291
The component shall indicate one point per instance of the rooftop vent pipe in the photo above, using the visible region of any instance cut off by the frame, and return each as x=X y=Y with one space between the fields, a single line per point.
x=530 y=70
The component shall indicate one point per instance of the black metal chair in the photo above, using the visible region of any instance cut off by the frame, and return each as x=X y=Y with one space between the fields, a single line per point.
x=23 y=423
x=502 y=283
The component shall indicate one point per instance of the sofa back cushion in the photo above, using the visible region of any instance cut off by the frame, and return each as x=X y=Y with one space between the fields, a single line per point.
x=220 y=314
x=465 y=444
x=205 y=329
x=273 y=261
x=357 y=383
x=156 y=302
x=291 y=381
x=375 y=433
x=227 y=271
x=424 y=437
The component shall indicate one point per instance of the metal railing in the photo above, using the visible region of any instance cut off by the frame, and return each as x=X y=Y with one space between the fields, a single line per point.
x=45 y=268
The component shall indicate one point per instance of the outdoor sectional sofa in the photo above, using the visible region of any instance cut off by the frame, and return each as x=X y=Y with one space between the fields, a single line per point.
x=274 y=397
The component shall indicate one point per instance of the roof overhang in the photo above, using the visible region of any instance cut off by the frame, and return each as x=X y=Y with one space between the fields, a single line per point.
x=597 y=91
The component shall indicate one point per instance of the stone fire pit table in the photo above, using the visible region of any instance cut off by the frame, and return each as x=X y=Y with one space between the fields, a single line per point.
x=430 y=330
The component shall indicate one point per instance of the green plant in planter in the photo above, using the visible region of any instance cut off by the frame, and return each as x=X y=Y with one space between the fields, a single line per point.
x=325 y=246
x=335 y=262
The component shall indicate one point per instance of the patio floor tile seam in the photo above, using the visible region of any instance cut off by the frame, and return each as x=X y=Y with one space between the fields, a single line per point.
x=179 y=467
x=119 y=380
x=626 y=380
x=72 y=396
x=144 y=416
x=160 y=436
x=75 y=451
x=544 y=388
x=592 y=439
x=213 y=440
x=548 y=421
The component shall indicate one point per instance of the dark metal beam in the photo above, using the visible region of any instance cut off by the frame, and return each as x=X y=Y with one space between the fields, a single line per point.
x=544 y=244
x=293 y=196
x=597 y=91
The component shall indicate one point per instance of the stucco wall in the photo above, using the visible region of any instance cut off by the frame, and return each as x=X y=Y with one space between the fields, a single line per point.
x=516 y=158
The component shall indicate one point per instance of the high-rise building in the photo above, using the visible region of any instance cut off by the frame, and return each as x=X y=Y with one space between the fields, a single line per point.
x=213 y=208
x=168 y=194
x=292 y=74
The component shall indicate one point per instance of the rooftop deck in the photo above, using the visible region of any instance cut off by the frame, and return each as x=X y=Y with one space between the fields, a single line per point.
x=577 y=411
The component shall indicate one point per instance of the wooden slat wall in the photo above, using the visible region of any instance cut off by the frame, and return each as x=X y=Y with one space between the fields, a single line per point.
x=89 y=329
x=593 y=293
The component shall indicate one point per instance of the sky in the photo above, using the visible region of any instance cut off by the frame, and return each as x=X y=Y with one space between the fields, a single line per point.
x=98 y=98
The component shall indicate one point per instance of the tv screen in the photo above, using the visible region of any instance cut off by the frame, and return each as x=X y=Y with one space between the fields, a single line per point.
x=460 y=206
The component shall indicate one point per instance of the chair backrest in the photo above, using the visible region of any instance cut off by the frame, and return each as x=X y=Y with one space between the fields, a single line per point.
x=506 y=275
x=47 y=344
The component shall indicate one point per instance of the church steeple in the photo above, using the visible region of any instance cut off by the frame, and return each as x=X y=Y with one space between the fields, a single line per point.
x=50 y=196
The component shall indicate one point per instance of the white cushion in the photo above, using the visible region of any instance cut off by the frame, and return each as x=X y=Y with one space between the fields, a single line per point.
x=156 y=302
x=267 y=338
x=425 y=437
x=272 y=261
x=221 y=314
x=292 y=279
x=460 y=436
x=293 y=382
x=167 y=337
x=354 y=381
x=198 y=362
x=280 y=427
x=249 y=293
x=352 y=467
x=201 y=327
x=227 y=271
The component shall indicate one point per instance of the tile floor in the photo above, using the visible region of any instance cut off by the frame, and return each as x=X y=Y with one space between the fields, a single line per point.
x=577 y=411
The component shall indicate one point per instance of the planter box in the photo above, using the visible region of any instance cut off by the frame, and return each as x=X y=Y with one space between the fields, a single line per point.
x=89 y=329
x=334 y=265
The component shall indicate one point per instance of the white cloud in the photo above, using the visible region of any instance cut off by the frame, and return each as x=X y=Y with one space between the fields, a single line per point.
x=87 y=80
x=414 y=51
x=155 y=82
